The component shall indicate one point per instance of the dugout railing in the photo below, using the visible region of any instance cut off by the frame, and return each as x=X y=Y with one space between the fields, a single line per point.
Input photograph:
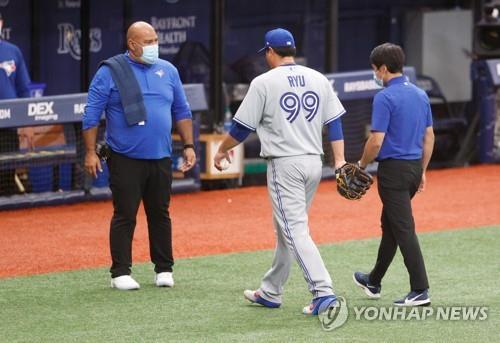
x=52 y=172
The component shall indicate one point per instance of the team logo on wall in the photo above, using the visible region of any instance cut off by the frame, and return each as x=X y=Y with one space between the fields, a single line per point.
x=69 y=40
x=9 y=67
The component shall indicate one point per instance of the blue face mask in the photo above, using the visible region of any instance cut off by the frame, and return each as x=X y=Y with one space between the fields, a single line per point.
x=150 y=54
x=378 y=81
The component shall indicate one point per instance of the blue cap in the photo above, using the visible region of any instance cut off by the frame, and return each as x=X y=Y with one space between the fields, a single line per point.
x=278 y=38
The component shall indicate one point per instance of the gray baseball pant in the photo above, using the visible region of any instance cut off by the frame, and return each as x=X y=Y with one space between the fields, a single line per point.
x=292 y=183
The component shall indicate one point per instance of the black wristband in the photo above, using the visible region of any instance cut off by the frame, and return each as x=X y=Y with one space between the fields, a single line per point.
x=187 y=146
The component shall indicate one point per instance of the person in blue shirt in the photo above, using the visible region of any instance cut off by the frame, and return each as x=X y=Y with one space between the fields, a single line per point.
x=14 y=81
x=401 y=140
x=14 y=78
x=140 y=164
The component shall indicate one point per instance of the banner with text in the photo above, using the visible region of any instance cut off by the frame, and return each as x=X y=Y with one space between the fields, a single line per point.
x=176 y=22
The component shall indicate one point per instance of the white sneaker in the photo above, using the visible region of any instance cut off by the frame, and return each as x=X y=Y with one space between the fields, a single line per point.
x=124 y=283
x=164 y=279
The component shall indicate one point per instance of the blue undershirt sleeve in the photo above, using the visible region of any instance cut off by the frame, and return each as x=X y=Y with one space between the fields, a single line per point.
x=239 y=132
x=335 y=130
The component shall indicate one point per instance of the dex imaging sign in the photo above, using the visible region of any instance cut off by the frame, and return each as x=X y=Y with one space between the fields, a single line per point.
x=5 y=113
x=42 y=111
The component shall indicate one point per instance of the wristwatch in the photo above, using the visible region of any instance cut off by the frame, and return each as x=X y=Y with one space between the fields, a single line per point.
x=187 y=146
x=359 y=165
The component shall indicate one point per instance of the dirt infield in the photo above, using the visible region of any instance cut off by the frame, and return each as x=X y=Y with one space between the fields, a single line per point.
x=76 y=236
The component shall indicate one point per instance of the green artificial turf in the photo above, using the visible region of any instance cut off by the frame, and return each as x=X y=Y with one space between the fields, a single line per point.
x=206 y=303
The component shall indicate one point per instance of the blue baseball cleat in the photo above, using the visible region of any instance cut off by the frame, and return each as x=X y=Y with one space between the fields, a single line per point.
x=363 y=281
x=320 y=304
x=254 y=297
x=414 y=298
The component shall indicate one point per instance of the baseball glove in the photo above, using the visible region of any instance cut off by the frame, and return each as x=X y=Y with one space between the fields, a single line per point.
x=352 y=181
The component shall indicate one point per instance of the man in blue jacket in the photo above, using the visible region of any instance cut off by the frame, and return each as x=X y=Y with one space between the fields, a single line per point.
x=138 y=133
x=14 y=81
x=401 y=140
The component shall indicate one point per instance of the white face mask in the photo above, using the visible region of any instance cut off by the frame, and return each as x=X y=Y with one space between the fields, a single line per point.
x=378 y=81
x=150 y=54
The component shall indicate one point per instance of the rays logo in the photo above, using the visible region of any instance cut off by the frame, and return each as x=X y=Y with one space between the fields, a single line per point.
x=334 y=315
x=69 y=40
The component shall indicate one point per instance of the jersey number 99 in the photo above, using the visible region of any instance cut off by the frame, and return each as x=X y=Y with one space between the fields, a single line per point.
x=292 y=104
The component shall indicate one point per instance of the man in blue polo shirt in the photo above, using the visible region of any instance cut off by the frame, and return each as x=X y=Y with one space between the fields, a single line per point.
x=140 y=164
x=14 y=81
x=401 y=140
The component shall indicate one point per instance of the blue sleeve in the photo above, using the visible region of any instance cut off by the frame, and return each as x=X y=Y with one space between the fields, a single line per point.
x=180 y=106
x=97 y=98
x=239 y=132
x=335 y=130
x=22 y=77
x=381 y=113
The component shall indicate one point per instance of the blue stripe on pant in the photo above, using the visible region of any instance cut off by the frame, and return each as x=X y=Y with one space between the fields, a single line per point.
x=292 y=183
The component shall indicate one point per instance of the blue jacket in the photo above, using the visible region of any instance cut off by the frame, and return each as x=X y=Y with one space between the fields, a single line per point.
x=14 y=78
x=165 y=103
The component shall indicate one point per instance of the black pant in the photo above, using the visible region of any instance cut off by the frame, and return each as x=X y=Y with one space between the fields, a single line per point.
x=130 y=181
x=398 y=181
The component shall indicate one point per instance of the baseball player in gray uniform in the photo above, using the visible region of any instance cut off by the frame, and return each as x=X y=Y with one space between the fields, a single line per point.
x=288 y=107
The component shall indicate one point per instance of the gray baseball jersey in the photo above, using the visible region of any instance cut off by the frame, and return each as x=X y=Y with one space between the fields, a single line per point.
x=288 y=107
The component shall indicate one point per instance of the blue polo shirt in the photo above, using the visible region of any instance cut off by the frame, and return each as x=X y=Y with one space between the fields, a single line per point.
x=165 y=103
x=14 y=78
x=402 y=111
